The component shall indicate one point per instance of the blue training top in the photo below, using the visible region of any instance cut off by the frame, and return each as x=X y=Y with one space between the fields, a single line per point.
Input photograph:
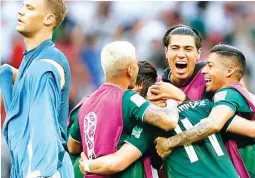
x=37 y=112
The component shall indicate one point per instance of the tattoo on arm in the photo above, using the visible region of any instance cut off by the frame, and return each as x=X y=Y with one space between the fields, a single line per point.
x=200 y=131
x=152 y=117
x=165 y=119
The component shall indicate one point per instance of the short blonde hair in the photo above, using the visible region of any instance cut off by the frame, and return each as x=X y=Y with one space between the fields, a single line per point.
x=58 y=8
x=117 y=56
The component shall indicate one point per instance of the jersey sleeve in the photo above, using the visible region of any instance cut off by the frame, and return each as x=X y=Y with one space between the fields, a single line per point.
x=73 y=118
x=142 y=137
x=228 y=97
x=45 y=98
x=231 y=98
x=227 y=124
x=75 y=131
x=134 y=105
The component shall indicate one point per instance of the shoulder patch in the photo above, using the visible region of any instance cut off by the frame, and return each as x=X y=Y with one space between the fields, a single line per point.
x=220 y=96
x=136 y=132
x=137 y=99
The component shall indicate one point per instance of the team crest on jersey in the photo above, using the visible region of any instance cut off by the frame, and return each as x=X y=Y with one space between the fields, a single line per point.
x=137 y=99
x=137 y=131
x=220 y=96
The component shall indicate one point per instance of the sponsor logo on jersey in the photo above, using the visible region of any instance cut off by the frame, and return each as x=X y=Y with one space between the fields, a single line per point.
x=191 y=105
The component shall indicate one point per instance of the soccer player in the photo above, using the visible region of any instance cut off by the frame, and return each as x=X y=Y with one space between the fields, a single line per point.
x=207 y=158
x=183 y=79
x=37 y=103
x=224 y=69
x=182 y=49
x=108 y=116
x=147 y=76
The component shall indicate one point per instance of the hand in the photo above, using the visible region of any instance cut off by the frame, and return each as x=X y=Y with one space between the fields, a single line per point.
x=159 y=103
x=163 y=90
x=82 y=162
x=162 y=147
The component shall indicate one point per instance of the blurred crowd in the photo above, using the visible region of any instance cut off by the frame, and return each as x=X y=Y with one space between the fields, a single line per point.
x=90 y=25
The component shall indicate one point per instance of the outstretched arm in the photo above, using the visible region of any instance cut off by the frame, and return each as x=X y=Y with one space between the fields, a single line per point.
x=215 y=121
x=112 y=163
x=242 y=126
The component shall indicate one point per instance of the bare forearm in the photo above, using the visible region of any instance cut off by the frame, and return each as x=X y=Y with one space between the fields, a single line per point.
x=242 y=126
x=105 y=165
x=198 y=132
x=115 y=162
x=74 y=146
x=165 y=119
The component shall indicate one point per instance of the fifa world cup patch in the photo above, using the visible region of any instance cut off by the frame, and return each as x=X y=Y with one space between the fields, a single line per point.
x=137 y=99
x=220 y=96
x=137 y=131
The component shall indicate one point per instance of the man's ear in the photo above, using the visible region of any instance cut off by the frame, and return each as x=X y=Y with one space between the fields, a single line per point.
x=230 y=71
x=166 y=52
x=49 y=19
x=130 y=72
x=199 y=53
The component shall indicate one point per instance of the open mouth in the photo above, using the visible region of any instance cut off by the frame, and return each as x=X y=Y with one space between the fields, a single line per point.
x=181 y=65
x=208 y=81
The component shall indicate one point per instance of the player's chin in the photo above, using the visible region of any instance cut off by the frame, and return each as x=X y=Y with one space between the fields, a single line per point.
x=19 y=29
x=208 y=89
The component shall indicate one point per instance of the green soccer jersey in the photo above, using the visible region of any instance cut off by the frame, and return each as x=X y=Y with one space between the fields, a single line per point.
x=73 y=118
x=74 y=157
x=233 y=99
x=206 y=158
x=133 y=108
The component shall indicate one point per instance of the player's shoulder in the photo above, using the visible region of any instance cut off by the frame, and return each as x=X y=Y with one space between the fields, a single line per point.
x=228 y=93
x=43 y=69
x=129 y=93
x=133 y=97
x=58 y=56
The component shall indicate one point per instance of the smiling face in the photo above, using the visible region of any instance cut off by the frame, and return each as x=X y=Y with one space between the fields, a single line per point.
x=31 y=17
x=182 y=55
x=214 y=72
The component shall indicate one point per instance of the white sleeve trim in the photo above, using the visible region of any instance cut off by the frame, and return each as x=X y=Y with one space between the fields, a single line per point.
x=74 y=139
x=133 y=146
x=60 y=70
x=137 y=100
x=231 y=123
